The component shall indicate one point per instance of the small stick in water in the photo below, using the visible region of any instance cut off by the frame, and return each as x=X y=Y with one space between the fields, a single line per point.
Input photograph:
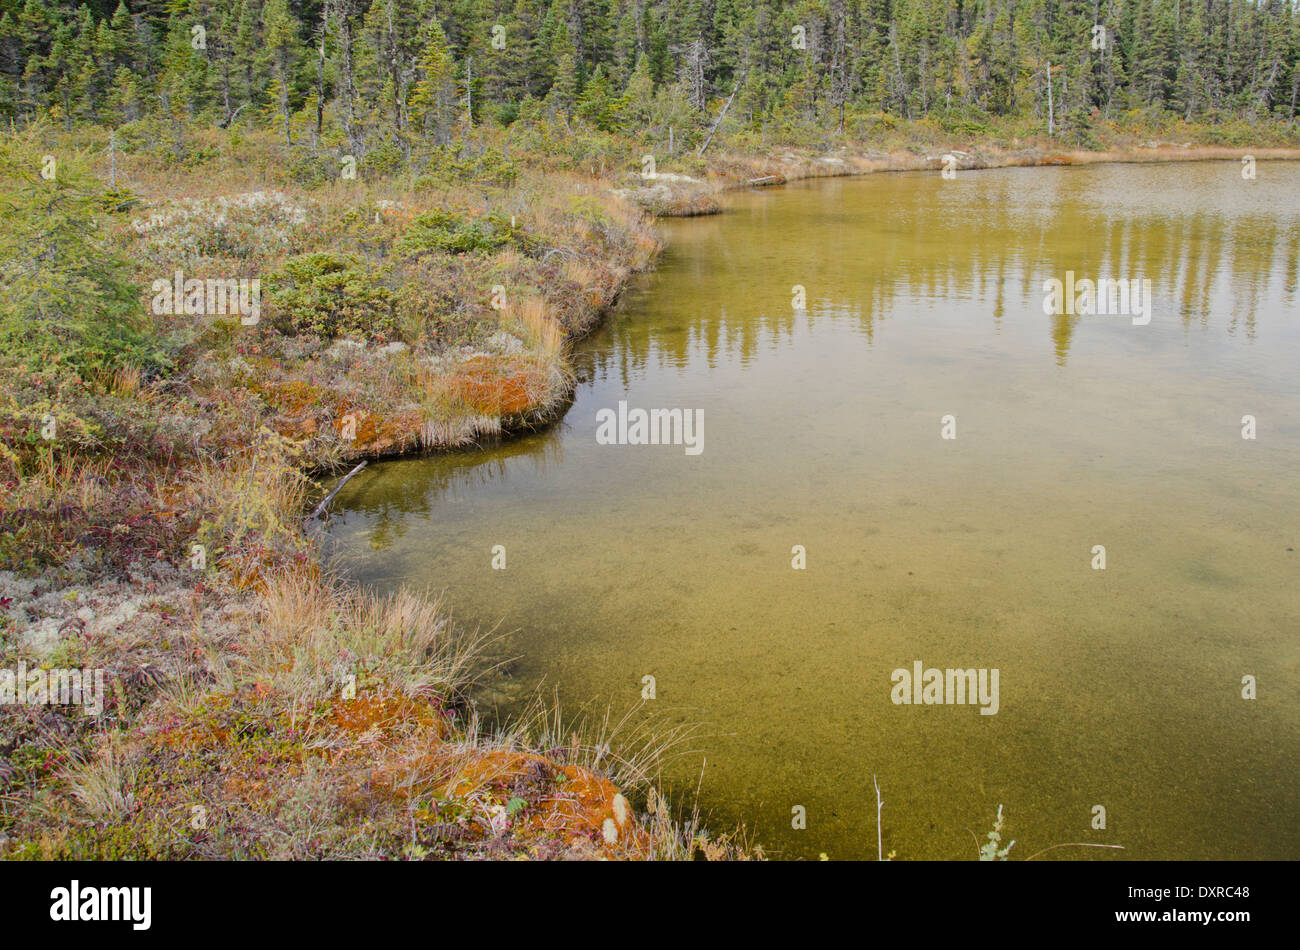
x=320 y=509
x=880 y=848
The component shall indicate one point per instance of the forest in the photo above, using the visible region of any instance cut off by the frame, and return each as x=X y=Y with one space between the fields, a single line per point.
x=342 y=70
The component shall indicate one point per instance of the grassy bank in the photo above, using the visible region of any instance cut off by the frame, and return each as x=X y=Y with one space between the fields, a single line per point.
x=153 y=504
x=157 y=466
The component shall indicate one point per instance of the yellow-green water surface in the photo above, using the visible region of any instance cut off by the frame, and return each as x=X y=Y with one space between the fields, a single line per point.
x=1119 y=688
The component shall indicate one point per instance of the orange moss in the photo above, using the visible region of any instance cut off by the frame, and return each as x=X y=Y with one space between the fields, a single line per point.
x=493 y=390
x=578 y=808
x=377 y=713
x=293 y=396
x=373 y=433
x=396 y=751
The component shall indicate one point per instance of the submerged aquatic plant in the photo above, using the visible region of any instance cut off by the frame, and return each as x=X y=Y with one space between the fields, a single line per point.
x=990 y=851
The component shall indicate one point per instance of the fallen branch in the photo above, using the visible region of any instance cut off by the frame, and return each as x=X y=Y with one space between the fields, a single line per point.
x=320 y=509
x=233 y=116
x=722 y=116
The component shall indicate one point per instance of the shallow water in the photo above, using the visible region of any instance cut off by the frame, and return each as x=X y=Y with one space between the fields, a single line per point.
x=1119 y=687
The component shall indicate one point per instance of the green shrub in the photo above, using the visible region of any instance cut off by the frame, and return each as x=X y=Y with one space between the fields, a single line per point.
x=384 y=159
x=1078 y=130
x=119 y=201
x=332 y=295
x=444 y=231
x=44 y=411
x=506 y=113
x=66 y=296
x=470 y=163
x=964 y=122
x=312 y=170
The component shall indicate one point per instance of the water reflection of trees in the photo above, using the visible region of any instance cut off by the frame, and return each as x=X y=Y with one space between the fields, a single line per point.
x=725 y=290
x=868 y=257
x=393 y=495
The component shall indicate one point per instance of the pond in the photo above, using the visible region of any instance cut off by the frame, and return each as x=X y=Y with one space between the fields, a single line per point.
x=920 y=468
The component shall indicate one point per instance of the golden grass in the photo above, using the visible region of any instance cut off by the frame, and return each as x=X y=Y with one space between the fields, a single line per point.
x=58 y=481
x=124 y=382
x=263 y=490
x=105 y=785
x=543 y=334
x=313 y=634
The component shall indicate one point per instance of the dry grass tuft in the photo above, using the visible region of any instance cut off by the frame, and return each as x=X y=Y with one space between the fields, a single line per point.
x=105 y=785
x=541 y=332
x=314 y=634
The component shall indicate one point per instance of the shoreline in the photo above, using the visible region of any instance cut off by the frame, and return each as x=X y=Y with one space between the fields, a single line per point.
x=852 y=167
x=685 y=198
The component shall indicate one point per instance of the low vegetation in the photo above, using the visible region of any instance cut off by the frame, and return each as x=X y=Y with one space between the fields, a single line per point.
x=155 y=482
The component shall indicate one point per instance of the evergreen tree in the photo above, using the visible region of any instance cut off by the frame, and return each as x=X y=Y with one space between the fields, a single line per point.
x=432 y=103
x=281 y=31
x=813 y=65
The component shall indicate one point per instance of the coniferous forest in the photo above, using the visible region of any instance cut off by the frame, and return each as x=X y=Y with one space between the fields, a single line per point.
x=390 y=69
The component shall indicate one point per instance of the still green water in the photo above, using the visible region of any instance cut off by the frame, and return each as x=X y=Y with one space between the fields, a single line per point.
x=1119 y=687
